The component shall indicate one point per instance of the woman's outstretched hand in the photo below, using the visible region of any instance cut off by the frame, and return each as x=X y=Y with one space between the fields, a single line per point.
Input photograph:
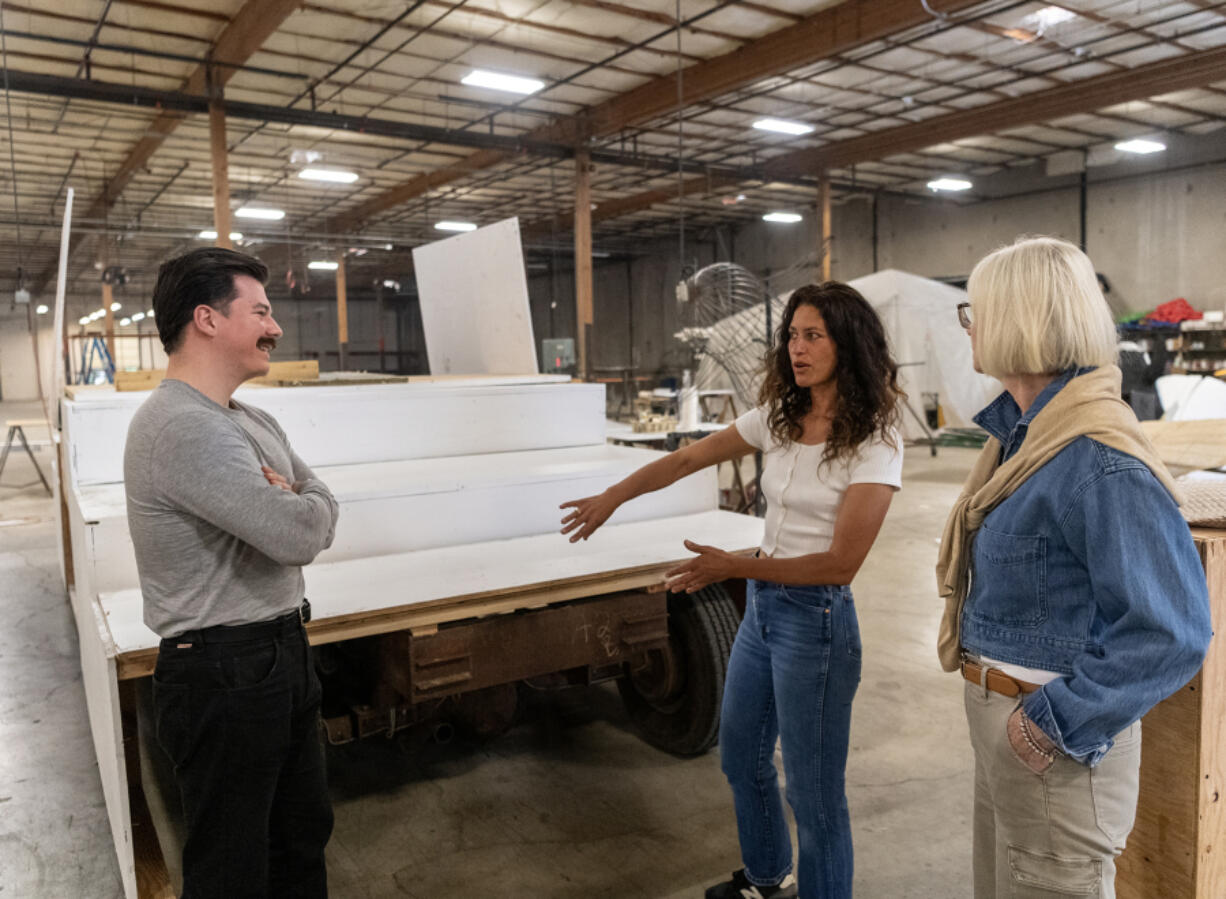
x=710 y=566
x=590 y=513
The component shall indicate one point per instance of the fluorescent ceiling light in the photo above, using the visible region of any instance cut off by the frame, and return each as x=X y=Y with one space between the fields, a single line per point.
x=41 y=310
x=151 y=313
x=1140 y=145
x=138 y=317
x=212 y=235
x=84 y=320
x=115 y=307
x=787 y=218
x=782 y=127
x=124 y=322
x=949 y=184
x=336 y=176
x=261 y=212
x=323 y=265
x=600 y=254
x=455 y=226
x=499 y=82
x=1051 y=15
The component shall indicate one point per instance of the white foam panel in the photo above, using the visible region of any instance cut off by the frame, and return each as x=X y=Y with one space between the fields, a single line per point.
x=368 y=585
x=370 y=423
x=397 y=507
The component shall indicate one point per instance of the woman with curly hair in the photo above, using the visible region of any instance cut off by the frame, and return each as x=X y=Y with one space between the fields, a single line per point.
x=827 y=427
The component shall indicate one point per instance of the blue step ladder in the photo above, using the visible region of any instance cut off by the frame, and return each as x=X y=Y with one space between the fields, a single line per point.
x=95 y=349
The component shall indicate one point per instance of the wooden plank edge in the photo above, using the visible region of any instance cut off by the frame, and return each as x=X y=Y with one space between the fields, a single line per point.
x=1209 y=860
x=140 y=662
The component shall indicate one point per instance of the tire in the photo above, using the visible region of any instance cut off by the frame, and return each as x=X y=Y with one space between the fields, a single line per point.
x=674 y=696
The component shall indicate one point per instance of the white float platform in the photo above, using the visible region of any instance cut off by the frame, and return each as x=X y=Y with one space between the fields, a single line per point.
x=396 y=507
x=368 y=423
x=374 y=595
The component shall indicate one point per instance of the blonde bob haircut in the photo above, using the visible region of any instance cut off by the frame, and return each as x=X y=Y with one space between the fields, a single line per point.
x=1037 y=309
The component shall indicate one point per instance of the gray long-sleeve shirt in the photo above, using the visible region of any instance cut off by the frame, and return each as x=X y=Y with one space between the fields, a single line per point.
x=215 y=542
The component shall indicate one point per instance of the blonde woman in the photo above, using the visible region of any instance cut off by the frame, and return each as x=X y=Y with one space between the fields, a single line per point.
x=1075 y=598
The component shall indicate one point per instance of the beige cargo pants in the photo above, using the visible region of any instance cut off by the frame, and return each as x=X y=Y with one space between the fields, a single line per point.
x=1053 y=835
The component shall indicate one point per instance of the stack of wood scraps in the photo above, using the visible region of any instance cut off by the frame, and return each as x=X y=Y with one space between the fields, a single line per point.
x=295 y=373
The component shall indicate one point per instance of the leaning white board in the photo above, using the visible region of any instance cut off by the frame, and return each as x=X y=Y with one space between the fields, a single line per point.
x=474 y=303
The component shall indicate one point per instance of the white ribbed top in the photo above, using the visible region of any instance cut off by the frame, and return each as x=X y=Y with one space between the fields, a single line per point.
x=802 y=496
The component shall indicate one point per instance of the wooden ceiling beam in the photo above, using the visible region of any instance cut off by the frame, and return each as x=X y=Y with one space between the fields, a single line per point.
x=1074 y=98
x=242 y=37
x=825 y=34
x=611 y=209
x=828 y=33
x=246 y=33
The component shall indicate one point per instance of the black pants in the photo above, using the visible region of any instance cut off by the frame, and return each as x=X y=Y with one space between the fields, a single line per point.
x=237 y=711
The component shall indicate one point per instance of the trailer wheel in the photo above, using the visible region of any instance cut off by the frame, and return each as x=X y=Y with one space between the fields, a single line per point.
x=674 y=695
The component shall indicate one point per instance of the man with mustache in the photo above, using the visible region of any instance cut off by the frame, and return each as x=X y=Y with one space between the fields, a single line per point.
x=223 y=515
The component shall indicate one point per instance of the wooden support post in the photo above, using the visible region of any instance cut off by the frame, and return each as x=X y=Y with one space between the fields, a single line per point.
x=824 y=237
x=221 y=171
x=583 y=260
x=342 y=310
x=108 y=321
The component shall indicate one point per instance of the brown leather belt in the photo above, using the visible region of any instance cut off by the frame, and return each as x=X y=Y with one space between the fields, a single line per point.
x=997 y=681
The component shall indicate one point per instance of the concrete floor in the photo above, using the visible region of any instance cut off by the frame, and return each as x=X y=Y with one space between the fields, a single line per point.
x=570 y=804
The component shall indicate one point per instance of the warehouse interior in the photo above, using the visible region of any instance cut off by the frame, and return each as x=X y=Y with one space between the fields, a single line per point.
x=801 y=140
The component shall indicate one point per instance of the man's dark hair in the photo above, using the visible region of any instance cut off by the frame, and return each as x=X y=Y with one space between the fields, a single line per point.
x=203 y=277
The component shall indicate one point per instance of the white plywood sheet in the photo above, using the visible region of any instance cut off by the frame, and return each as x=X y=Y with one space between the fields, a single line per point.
x=370 y=423
x=474 y=302
x=365 y=585
x=98 y=675
x=396 y=507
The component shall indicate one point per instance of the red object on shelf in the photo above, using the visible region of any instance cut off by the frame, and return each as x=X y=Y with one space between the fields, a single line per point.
x=1176 y=310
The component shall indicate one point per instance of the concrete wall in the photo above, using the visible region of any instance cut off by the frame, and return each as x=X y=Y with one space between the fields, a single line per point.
x=18 y=377
x=935 y=238
x=1162 y=237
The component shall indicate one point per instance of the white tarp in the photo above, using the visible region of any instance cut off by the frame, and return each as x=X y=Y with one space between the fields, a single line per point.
x=920 y=317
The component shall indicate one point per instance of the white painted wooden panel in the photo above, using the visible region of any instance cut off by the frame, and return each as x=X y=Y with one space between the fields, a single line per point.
x=474 y=302
x=396 y=507
x=81 y=538
x=98 y=676
x=375 y=423
x=366 y=585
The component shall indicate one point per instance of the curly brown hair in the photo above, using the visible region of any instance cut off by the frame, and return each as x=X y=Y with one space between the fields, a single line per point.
x=866 y=374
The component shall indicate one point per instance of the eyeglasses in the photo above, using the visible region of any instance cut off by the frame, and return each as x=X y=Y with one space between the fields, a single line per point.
x=964 y=315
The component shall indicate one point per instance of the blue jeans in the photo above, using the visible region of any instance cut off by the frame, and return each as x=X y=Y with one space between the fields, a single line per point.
x=793 y=672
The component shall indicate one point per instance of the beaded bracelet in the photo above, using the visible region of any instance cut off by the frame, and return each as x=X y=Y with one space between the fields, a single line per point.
x=1032 y=743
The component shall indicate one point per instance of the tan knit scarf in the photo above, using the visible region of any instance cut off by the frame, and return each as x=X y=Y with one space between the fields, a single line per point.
x=1090 y=406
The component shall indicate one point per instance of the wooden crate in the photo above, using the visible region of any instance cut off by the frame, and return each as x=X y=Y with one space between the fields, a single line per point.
x=1177 y=850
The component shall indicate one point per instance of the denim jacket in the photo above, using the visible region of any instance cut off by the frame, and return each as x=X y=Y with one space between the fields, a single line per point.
x=1088 y=570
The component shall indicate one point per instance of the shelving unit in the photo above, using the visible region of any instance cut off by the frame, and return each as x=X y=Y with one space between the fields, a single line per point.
x=1200 y=348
